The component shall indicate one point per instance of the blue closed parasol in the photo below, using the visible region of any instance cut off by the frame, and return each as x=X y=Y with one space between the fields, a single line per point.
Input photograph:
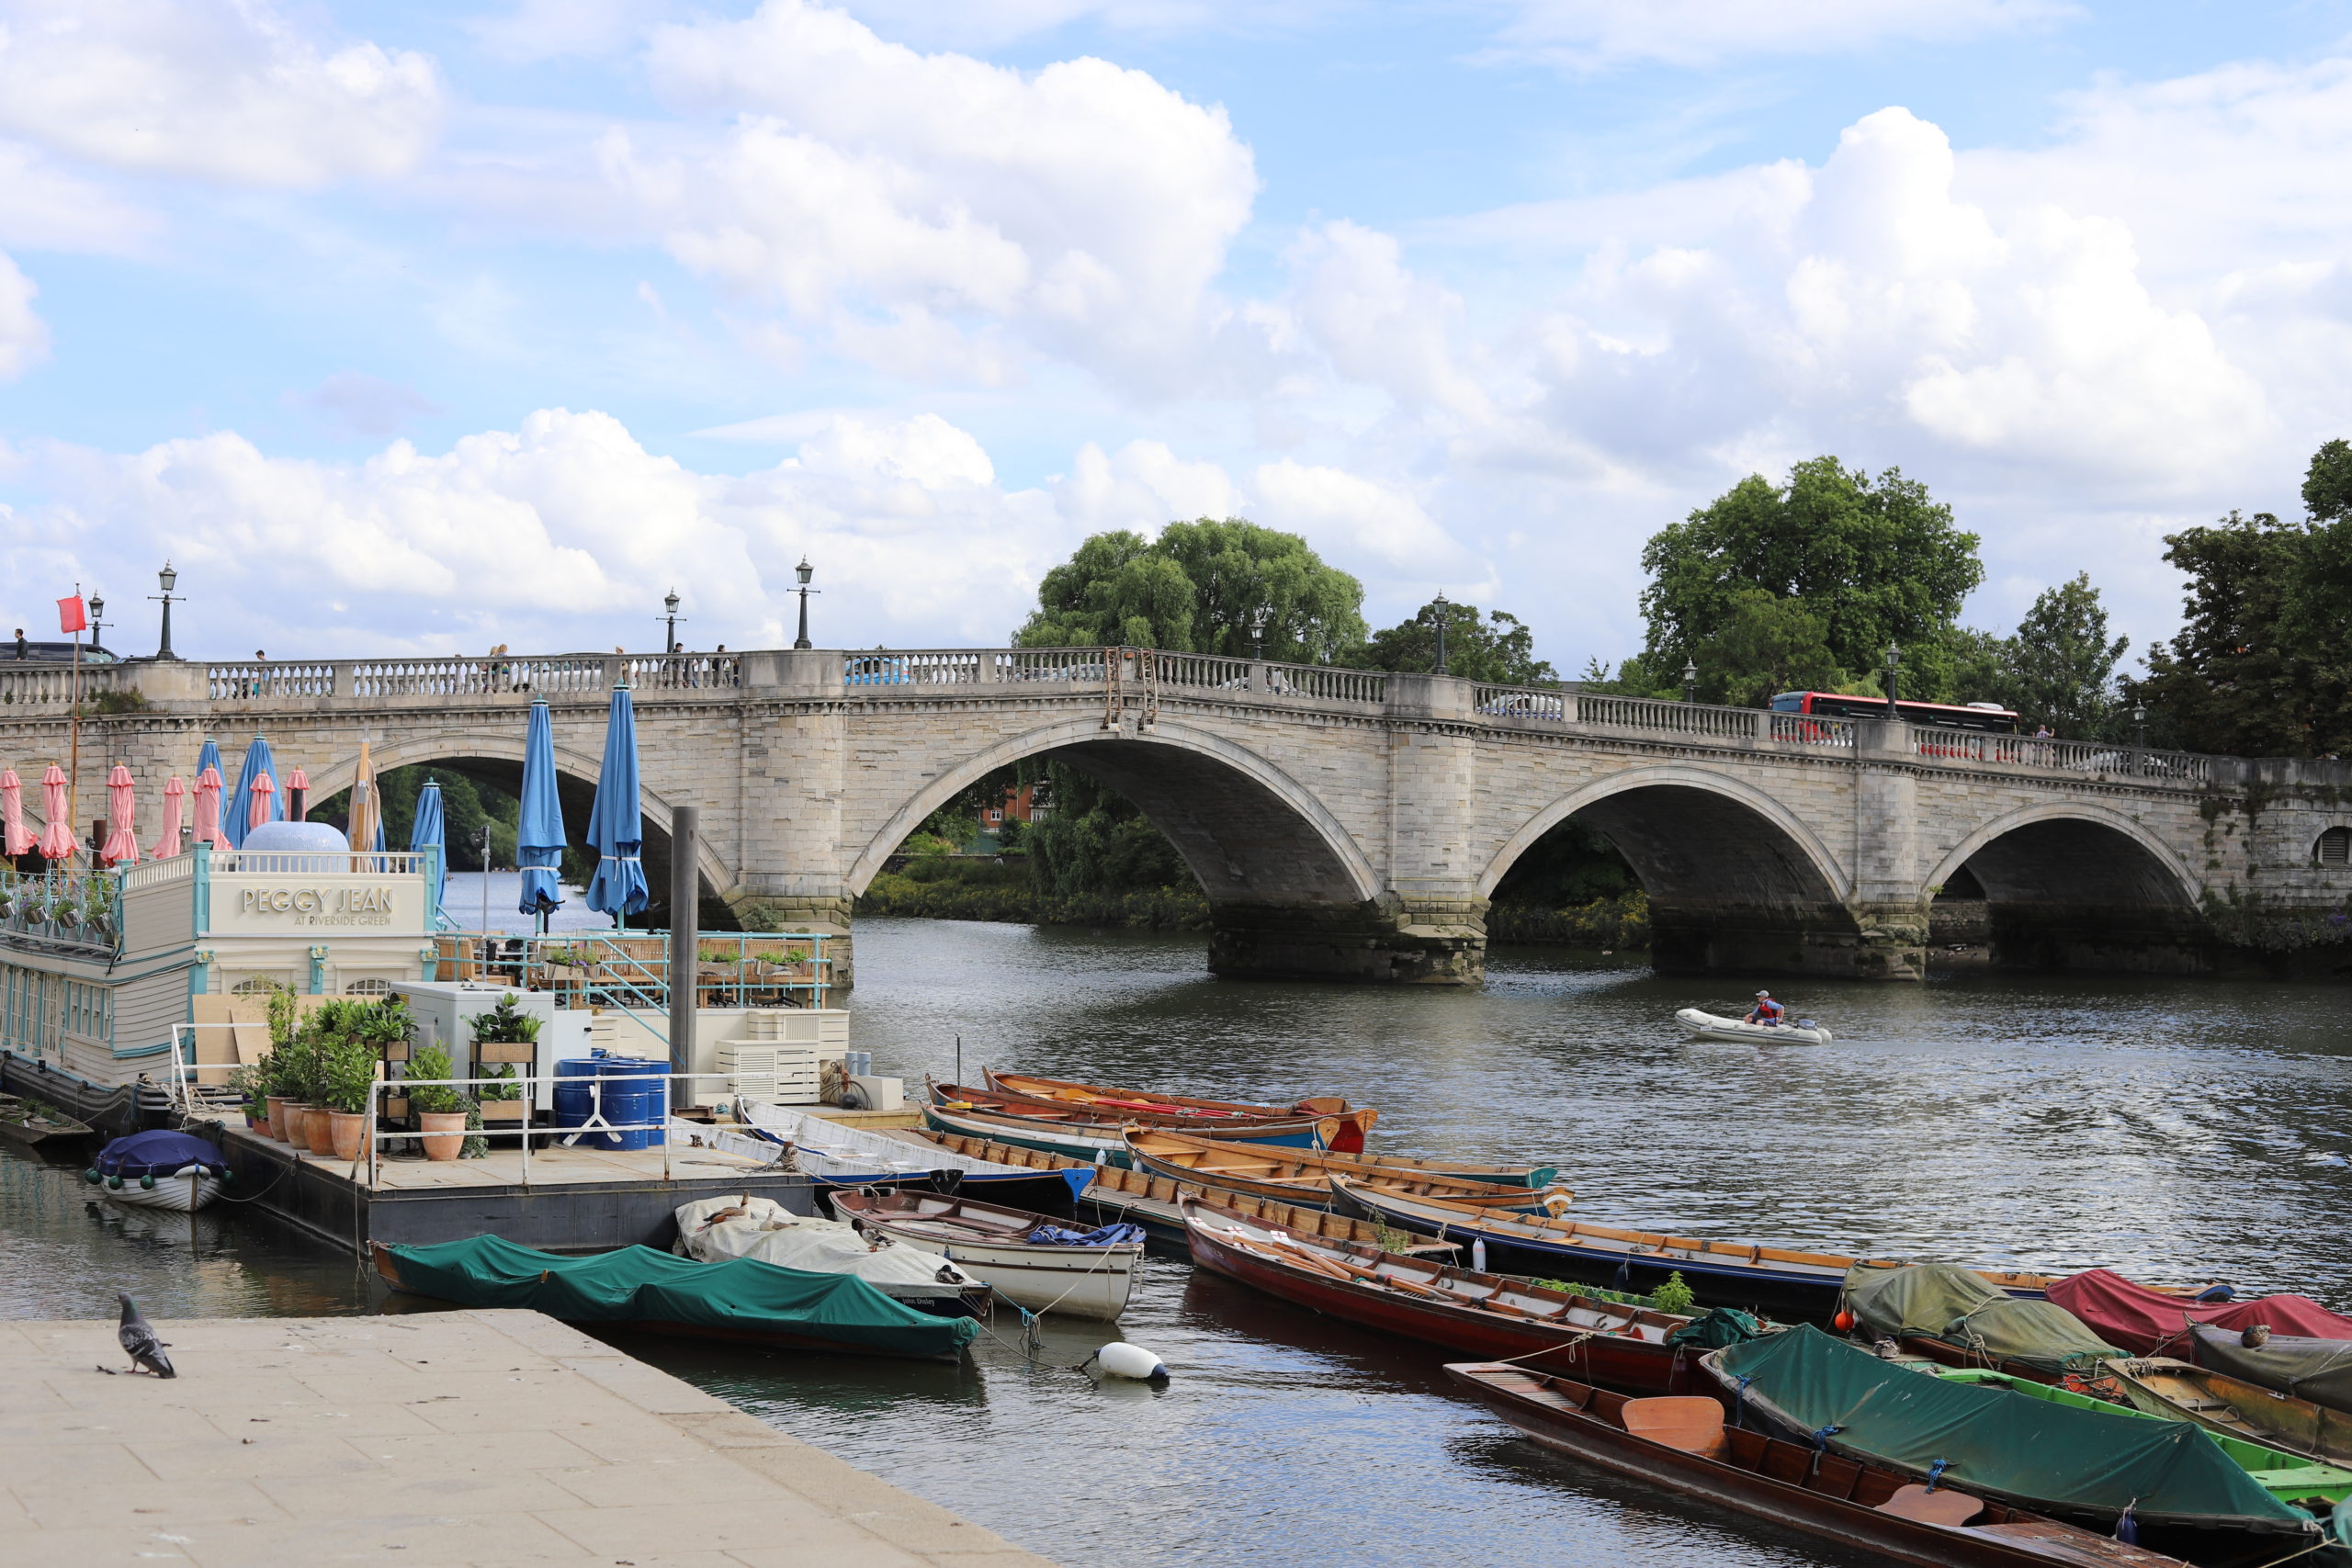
x=617 y=825
x=236 y=810
x=538 y=836
x=428 y=833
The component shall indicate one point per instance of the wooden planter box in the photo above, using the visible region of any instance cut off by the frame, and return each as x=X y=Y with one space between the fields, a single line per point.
x=505 y=1111
x=521 y=1051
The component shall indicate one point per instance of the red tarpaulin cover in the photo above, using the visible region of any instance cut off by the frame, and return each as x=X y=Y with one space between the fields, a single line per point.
x=2148 y=1323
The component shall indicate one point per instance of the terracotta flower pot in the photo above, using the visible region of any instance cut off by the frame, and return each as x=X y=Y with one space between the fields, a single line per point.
x=444 y=1132
x=279 y=1127
x=319 y=1131
x=344 y=1130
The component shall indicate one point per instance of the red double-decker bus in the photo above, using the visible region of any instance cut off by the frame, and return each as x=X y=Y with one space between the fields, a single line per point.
x=1989 y=718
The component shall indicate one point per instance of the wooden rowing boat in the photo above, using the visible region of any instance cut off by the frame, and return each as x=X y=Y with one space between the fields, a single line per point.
x=1303 y=1175
x=1075 y=1132
x=2178 y=1391
x=1682 y=1445
x=1152 y=1202
x=1788 y=1284
x=30 y=1124
x=1482 y=1315
x=1001 y=1247
x=1141 y=1105
x=839 y=1156
x=1266 y=1128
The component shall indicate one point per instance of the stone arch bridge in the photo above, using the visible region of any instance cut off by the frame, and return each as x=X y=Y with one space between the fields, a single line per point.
x=1345 y=824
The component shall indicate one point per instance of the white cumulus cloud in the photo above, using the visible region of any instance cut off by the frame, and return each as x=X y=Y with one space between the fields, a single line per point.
x=24 y=337
x=221 y=89
x=1589 y=34
x=933 y=213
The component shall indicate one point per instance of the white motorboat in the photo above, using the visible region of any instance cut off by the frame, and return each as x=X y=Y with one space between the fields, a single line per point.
x=839 y=1157
x=1713 y=1026
x=158 y=1170
x=1012 y=1250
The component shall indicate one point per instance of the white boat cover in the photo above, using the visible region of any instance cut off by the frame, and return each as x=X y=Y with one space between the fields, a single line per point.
x=828 y=1148
x=1715 y=1026
x=711 y=1230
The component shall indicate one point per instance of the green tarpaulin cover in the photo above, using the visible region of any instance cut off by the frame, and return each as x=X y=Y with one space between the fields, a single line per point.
x=1714 y=1329
x=1939 y=1302
x=1993 y=1441
x=636 y=1283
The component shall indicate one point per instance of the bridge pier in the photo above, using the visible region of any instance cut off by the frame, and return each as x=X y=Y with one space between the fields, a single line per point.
x=1388 y=940
x=1885 y=942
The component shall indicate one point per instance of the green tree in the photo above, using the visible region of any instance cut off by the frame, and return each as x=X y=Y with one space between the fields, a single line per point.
x=1765 y=645
x=1199 y=587
x=1493 y=648
x=2061 y=665
x=1873 y=560
x=2237 y=677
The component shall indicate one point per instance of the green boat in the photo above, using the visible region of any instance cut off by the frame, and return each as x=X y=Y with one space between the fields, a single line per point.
x=2167 y=1481
x=741 y=1300
x=2290 y=1477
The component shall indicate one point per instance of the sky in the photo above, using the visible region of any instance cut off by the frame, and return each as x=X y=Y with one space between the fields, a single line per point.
x=423 y=329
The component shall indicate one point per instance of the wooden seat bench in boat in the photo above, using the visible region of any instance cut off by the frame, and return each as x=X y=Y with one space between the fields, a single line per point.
x=1687 y=1422
x=1944 y=1506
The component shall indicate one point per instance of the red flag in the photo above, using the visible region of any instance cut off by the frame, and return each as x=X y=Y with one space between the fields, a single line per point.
x=69 y=615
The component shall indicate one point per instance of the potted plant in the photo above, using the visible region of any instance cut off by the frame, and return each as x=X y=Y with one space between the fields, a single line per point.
x=280 y=1089
x=505 y=1033
x=347 y=1072
x=501 y=1096
x=440 y=1110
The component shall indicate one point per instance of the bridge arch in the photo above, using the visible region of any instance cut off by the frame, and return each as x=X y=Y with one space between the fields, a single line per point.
x=576 y=775
x=1250 y=831
x=2072 y=883
x=1736 y=879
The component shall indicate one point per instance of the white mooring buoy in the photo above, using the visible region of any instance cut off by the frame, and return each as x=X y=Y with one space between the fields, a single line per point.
x=1121 y=1359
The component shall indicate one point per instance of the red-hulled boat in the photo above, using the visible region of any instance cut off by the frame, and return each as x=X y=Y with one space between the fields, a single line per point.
x=1462 y=1309
x=1347 y=1124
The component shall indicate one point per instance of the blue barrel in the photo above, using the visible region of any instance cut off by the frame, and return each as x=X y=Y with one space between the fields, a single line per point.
x=635 y=1092
x=575 y=1098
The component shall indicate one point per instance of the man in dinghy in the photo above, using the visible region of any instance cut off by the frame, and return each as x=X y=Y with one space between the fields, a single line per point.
x=1766 y=1012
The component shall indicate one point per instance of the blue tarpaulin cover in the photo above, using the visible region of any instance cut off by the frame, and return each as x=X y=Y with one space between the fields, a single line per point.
x=1106 y=1235
x=159 y=1152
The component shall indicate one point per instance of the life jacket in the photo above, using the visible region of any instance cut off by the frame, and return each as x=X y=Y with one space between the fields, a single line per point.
x=1769 y=1011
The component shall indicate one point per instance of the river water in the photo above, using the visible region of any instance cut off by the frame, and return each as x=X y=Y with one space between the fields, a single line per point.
x=2178 y=1131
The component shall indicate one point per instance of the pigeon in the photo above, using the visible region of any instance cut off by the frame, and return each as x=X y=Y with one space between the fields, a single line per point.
x=139 y=1341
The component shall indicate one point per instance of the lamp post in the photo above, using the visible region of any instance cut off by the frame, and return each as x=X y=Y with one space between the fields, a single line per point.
x=97 y=623
x=1690 y=680
x=1257 y=619
x=167 y=578
x=2140 y=726
x=1441 y=607
x=1893 y=669
x=672 y=618
x=804 y=571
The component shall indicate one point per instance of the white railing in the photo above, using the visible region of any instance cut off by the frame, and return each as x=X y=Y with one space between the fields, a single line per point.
x=2063 y=756
x=1804 y=730
x=1519 y=702
x=1672 y=718
x=491 y=675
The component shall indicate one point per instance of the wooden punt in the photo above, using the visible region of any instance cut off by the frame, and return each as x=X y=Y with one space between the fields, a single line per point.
x=1079 y=1132
x=1353 y=1122
x=1783 y=1283
x=1683 y=1445
x=2178 y=1391
x=1482 y=1314
x=1303 y=1175
x=1152 y=1202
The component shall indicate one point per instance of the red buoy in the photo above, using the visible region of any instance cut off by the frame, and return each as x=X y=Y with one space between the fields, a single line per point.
x=1844 y=1322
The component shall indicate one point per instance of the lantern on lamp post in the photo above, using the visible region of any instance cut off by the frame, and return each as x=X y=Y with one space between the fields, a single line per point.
x=167 y=580
x=804 y=571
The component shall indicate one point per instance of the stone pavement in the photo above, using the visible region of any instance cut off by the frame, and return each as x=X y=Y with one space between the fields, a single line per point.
x=475 y=1438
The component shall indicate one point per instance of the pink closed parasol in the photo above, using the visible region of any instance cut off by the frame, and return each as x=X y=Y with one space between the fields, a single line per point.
x=12 y=816
x=207 y=809
x=262 y=789
x=121 y=847
x=169 y=844
x=57 y=832
x=297 y=797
